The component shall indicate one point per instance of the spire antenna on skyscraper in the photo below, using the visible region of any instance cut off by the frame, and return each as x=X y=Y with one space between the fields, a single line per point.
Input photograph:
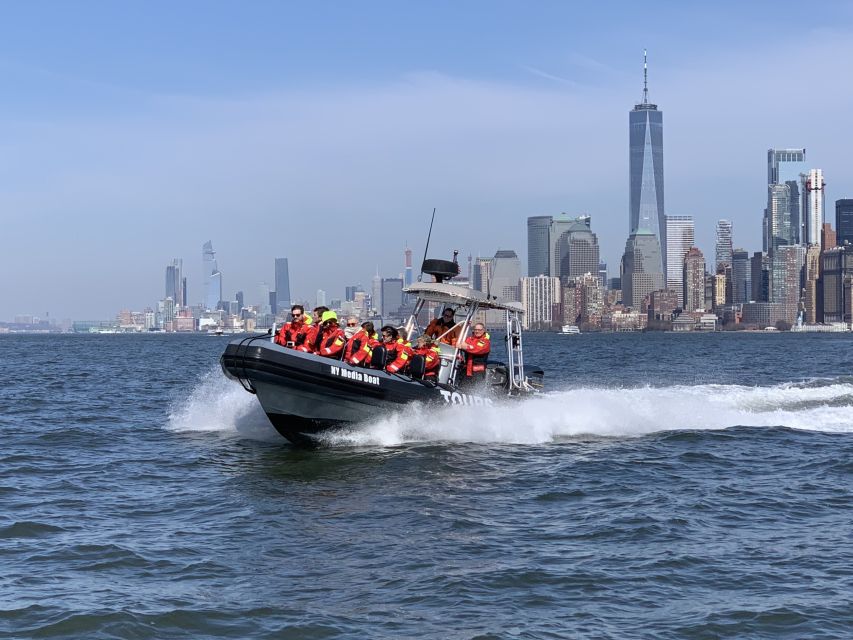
x=645 y=77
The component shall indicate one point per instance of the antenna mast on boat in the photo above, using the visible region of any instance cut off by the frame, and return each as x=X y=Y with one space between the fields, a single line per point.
x=426 y=248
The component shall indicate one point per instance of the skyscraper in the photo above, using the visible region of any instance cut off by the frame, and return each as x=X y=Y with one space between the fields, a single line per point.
x=679 y=239
x=782 y=217
x=646 y=166
x=741 y=277
x=175 y=282
x=573 y=247
x=724 y=244
x=844 y=221
x=694 y=280
x=538 y=255
x=392 y=296
x=561 y=246
x=282 y=285
x=812 y=187
x=212 y=277
x=540 y=297
x=640 y=271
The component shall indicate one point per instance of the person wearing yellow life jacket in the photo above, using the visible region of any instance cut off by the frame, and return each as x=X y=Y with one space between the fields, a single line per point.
x=330 y=338
x=476 y=347
x=360 y=346
x=425 y=346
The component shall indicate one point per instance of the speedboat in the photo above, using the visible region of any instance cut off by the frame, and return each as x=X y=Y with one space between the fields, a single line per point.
x=305 y=395
x=570 y=329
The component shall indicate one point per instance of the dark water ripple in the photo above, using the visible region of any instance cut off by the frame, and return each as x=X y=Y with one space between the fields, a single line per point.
x=650 y=497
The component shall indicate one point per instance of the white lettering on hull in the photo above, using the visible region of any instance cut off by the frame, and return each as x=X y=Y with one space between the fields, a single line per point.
x=355 y=376
x=454 y=397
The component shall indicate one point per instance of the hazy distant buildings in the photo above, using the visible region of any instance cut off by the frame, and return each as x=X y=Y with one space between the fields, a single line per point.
x=481 y=273
x=212 y=277
x=391 y=296
x=812 y=185
x=505 y=275
x=538 y=253
x=540 y=297
x=176 y=283
x=679 y=239
x=694 y=280
x=646 y=170
x=640 y=273
x=723 y=254
x=844 y=221
x=282 y=286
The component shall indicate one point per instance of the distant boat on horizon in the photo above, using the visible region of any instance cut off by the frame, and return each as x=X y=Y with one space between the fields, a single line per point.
x=570 y=329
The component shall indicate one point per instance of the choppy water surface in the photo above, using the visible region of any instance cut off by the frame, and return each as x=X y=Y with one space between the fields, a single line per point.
x=667 y=486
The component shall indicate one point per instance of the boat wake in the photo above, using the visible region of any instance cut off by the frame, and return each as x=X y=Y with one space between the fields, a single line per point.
x=219 y=404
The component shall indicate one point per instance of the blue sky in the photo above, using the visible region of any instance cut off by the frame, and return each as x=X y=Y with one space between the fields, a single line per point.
x=130 y=133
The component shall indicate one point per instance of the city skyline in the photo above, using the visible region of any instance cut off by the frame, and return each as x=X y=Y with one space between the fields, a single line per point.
x=140 y=161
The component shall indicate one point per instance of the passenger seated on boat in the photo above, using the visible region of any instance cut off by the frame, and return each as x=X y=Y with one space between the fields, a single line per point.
x=397 y=351
x=313 y=333
x=351 y=327
x=330 y=339
x=360 y=346
x=292 y=334
x=425 y=346
x=444 y=325
x=476 y=347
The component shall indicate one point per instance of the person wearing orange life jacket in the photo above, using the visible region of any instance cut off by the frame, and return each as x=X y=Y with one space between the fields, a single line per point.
x=426 y=347
x=444 y=324
x=476 y=348
x=330 y=339
x=292 y=334
x=360 y=346
x=398 y=352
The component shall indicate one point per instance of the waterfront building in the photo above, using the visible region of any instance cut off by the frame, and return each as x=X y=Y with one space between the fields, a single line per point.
x=837 y=276
x=782 y=216
x=786 y=266
x=741 y=277
x=640 y=269
x=812 y=294
x=212 y=277
x=679 y=239
x=646 y=170
x=282 y=285
x=694 y=280
x=540 y=297
x=591 y=295
x=767 y=314
x=760 y=276
x=662 y=305
x=723 y=254
x=719 y=290
x=538 y=253
x=844 y=221
x=572 y=300
x=812 y=186
x=175 y=282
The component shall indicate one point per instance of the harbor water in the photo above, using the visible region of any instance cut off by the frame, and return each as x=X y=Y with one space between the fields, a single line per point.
x=665 y=486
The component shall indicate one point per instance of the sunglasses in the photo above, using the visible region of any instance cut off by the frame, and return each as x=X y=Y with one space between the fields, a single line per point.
x=296 y=315
x=352 y=324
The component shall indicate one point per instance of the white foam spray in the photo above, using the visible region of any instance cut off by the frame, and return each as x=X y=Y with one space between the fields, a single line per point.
x=220 y=404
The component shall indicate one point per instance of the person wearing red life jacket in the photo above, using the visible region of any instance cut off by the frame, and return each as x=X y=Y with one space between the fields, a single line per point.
x=398 y=352
x=476 y=348
x=312 y=335
x=292 y=334
x=360 y=346
x=426 y=347
x=330 y=338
